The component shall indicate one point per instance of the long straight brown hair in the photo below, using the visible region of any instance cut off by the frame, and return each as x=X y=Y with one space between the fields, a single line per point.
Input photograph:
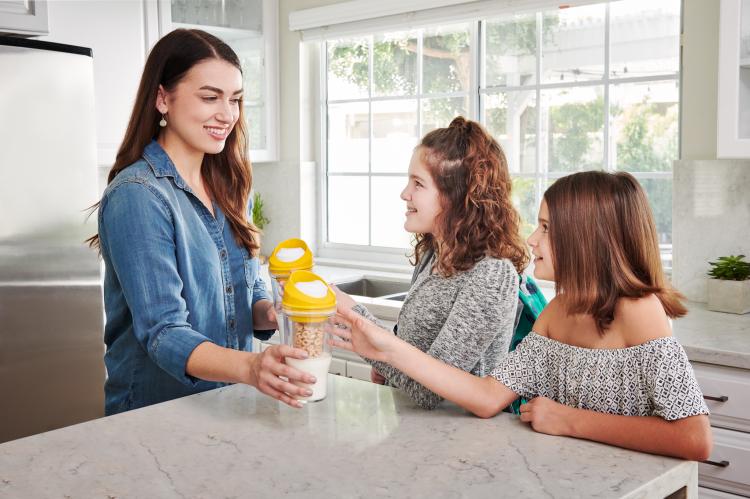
x=477 y=217
x=604 y=245
x=228 y=174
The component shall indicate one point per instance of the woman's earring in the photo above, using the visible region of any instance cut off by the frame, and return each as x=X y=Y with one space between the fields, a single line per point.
x=163 y=121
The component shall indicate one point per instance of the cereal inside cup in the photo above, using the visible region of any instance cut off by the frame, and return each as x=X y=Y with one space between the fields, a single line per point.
x=309 y=337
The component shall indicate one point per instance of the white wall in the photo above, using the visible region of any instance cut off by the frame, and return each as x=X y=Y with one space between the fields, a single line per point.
x=114 y=29
x=700 y=67
x=288 y=186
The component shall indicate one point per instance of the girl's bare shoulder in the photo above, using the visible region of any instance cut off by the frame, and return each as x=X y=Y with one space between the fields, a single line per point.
x=641 y=319
x=552 y=313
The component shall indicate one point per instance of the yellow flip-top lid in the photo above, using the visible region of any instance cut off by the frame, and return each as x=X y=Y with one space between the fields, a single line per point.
x=288 y=256
x=307 y=295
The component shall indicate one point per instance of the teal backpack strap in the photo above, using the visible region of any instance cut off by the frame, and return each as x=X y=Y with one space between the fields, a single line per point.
x=532 y=302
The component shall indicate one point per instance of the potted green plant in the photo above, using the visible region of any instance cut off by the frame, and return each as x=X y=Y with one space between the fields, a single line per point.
x=729 y=286
x=259 y=219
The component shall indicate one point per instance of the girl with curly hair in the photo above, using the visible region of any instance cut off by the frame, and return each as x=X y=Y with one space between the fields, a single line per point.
x=601 y=363
x=461 y=307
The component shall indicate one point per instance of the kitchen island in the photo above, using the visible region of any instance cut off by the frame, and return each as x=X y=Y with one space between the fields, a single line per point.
x=363 y=440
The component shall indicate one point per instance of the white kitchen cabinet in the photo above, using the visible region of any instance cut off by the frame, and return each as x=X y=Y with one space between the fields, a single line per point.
x=733 y=112
x=250 y=27
x=24 y=17
x=338 y=367
x=705 y=493
x=358 y=370
x=727 y=393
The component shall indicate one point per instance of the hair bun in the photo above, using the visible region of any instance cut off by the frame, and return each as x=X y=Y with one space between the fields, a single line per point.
x=460 y=122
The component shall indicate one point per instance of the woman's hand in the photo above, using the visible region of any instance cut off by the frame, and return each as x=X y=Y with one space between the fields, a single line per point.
x=264 y=316
x=265 y=370
x=362 y=336
x=343 y=300
x=376 y=377
x=547 y=416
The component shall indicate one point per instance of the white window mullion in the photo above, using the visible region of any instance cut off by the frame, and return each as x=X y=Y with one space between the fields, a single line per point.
x=608 y=164
x=371 y=72
x=420 y=90
x=541 y=178
x=474 y=34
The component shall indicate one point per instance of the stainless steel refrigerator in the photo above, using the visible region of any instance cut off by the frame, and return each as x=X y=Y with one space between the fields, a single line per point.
x=51 y=314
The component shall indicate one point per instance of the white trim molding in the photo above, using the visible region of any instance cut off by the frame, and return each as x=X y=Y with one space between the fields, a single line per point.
x=363 y=16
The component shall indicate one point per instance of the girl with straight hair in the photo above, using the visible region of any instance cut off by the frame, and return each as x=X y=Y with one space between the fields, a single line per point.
x=601 y=363
x=182 y=293
x=461 y=307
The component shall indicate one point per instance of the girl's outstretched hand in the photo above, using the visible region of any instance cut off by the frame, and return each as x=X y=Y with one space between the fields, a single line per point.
x=362 y=336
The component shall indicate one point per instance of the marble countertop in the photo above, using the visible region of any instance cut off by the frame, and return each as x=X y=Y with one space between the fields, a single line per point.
x=363 y=440
x=714 y=337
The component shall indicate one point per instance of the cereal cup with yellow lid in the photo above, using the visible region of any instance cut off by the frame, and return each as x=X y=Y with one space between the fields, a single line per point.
x=307 y=311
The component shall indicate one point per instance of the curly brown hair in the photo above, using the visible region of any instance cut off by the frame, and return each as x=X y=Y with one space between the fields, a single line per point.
x=477 y=217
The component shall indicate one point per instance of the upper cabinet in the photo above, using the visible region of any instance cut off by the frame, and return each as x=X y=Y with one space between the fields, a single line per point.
x=733 y=114
x=24 y=17
x=250 y=27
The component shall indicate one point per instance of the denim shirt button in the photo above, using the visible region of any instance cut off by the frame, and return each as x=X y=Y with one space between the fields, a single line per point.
x=231 y=323
x=229 y=290
x=223 y=254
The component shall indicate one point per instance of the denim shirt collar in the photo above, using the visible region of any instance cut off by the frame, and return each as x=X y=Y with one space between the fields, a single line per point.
x=162 y=166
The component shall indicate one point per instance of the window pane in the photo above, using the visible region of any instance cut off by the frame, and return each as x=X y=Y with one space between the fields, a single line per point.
x=573 y=44
x=524 y=199
x=394 y=134
x=645 y=125
x=348 y=207
x=256 y=125
x=446 y=59
x=348 y=137
x=659 y=192
x=394 y=64
x=572 y=127
x=438 y=113
x=511 y=118
x=644 y=38
x=348 y=69
x=510 y=45
x=388 y=213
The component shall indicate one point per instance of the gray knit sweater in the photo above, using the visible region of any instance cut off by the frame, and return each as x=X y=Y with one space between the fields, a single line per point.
x=465 y=320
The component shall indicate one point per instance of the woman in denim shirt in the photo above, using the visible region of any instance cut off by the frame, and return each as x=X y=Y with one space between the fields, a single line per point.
x=182 y=291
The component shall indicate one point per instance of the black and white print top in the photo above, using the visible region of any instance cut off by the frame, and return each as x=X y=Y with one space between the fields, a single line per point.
x=650 y=379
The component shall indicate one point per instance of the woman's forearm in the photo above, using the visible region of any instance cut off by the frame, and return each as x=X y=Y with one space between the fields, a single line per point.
x=211 y=362
x=688 y=438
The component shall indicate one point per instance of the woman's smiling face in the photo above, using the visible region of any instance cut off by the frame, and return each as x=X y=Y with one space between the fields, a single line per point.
x=204 y=106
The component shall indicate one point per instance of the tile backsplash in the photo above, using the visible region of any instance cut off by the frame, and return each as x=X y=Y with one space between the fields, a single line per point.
x=711 y=218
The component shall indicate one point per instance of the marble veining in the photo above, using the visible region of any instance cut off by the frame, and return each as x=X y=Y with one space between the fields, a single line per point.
x=364 y=440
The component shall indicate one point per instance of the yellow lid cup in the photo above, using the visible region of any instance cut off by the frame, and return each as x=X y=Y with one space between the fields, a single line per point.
x=308 y=298
x=288 y=256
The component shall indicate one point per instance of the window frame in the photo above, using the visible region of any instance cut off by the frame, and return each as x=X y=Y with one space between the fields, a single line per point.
x=477 y=95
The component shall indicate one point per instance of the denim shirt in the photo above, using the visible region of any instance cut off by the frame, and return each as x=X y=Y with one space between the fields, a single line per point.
x=174 y=278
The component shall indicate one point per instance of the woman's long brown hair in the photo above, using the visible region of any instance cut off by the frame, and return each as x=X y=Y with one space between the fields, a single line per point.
x=228 y=174
x=477 y=217
x=604 y=245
